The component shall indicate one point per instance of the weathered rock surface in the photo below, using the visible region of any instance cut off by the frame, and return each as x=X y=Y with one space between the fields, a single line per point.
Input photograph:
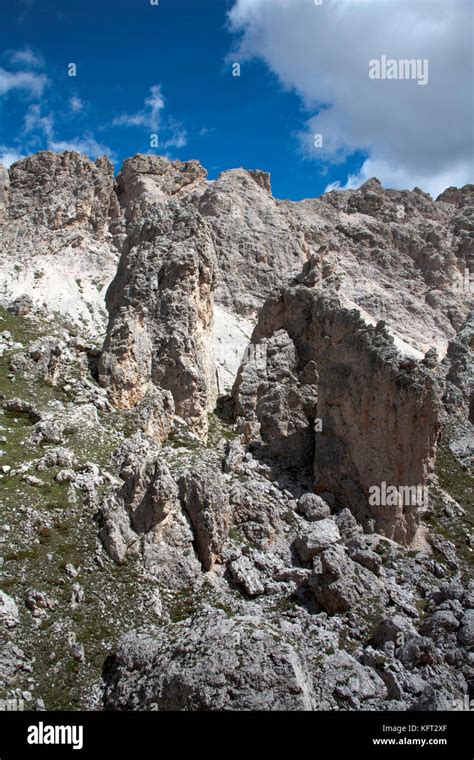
x=246 y=589
x=313 y=539
x=160 y=305
x=211 y=663
x=9 y=615
x=56 y=246
x=206 y=501
x=367 y=416
x=4 y=186
x=342 y=584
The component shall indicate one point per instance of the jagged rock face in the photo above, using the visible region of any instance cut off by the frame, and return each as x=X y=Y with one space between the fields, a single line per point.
x=144 y=517
x=378 y=413
x=255 y=243
x=206 y=501
x=145 y=180
x=216 y=663
x=160 y=306
x=248 y=589
x=370 y=238
x=342 y=583
x=460 y=371
x=59 y=190
x=374 y=237
x=4 y=185
x=155 y=414
x=277 y=397
x=55 y=243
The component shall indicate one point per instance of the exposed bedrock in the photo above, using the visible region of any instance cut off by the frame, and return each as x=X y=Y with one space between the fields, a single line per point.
x=209 y=663
x=459 y=365
x=4 y=186
x=160 y=306
x=337 y=391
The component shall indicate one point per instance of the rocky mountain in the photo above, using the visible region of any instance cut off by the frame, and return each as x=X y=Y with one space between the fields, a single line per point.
x=236 y=441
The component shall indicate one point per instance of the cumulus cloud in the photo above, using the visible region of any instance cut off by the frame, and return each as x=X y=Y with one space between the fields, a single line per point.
x=43 y=121
x=409 y=134
x=399 y=177
x=27 y=81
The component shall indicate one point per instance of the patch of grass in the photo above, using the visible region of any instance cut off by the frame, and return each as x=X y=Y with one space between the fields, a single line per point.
x=218 y=429
x=185 y=603
x=459 y=484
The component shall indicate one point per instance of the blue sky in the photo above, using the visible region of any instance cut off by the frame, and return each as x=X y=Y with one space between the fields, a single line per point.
x=167 y=70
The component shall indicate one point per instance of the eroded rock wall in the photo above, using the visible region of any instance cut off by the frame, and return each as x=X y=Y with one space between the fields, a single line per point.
x=373 y=416
x=160 y=302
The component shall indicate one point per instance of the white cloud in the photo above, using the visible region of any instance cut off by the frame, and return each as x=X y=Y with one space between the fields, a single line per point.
x=409 y=134
x=87 y=145
x=38 y=124
x=76 y=104
x=397 y=177
x=149 y=116
x=8 y=156
x=32 y=83
x=205 y=131
x=152 y=118
x=26 y=57
x=178 y=137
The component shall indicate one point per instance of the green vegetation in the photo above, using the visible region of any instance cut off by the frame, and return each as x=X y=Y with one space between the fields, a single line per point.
x=53 y=526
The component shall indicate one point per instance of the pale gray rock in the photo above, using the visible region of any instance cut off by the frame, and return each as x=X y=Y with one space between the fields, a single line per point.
x=205 y=499
x=438 y=623
x=4 y=186
x=244 y=574
x=466 y=631
x=313 y=507
x=147 y=497
x=276 y=392
x=365 y=557
x=343 y=385
x=316 y=537
x=56 y=246
x=361 y=387
x=339 y=584
x=160 y=306
x=396 y=629
x=56 y=457
x=39 y=603
x=21 y=306
x=155 y=414
x=9 y=615
x=18 y=406
x=210 y=662
x=346 y=684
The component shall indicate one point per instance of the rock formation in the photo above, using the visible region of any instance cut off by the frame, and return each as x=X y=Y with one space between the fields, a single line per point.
x=160 y=306
x=351 y=404
x=216 y=477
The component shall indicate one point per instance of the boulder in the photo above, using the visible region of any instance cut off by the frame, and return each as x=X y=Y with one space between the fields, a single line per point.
x=315 y=538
